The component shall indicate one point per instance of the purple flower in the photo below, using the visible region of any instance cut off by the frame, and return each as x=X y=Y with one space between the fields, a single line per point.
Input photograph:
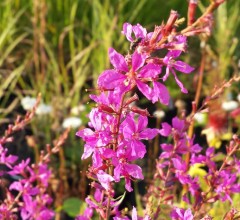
x=178 y=126
x=181 y=214
x=207 y=160
x=108 y=101
x=32 y=209
x=98 y=202
x=134 y=132
x=178 y=132
x=181 y=174
x=87 y=215
x=20 y=168
x=99 y=137
x=172 y=65
x=94 y=201
x=7 y=160
x=104 y=179
x=135 y=216
x=25 y=187
x=226 y=184
x=177 y=43
x=138 y=75
x=168 y=151
x=128 y=171
x=5 y=213
x=137 y=30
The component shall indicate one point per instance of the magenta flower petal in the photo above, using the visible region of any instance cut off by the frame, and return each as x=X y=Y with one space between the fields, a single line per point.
x=127 y=31
x=134 y=170
x=104 y=179
x=183 y=89
x=150 y=70
x=166 y=129
x=173 y=54
x=210 y=152
x=148 y=134
x=138 y=149
x=178 y=123
x=110 y=79
x=160 y=92
x=183 y=67
x=117 y=60
x=167 y=147
x=181 y=214
x=179 y=164
x=138 y=61
x=117 y=172
x=139 y=31
x=16 y=186
x=128 y=131
x=85 y=133
x=128 y=185
x=166 y=74
x=145 y=89
x=188 y=215
x=88 y=150
x=134 y=214
x=142 y=122
x=129 y=127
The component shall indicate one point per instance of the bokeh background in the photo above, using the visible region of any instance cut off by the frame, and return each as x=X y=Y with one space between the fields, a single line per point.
x=59 y=47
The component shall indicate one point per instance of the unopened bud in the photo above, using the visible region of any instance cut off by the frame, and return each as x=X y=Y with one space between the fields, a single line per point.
x=131 y=99
x=171 y=21
x=191 y=11
x=143 y=112
x=105 y=108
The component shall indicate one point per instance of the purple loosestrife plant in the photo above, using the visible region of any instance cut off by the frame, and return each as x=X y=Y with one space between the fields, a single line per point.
x=32 y=200
x=27 y=196
x=116 y=131
x=116 y=127
x=221 y=180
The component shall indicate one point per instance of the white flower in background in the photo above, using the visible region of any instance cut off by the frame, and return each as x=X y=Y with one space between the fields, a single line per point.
x=77 y=109
x=28 y=103
x=229 y=105
x=159 y=114
x=43 y=109
x=73 y=122
x=200 y=117
x=238 y=97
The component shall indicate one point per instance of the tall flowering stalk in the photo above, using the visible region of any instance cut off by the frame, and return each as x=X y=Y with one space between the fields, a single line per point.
x=27 y=196
x=117 y=127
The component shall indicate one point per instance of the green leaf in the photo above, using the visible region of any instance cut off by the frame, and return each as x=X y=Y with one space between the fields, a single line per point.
x=72 y=206
x=197 y=170
x=120 y=199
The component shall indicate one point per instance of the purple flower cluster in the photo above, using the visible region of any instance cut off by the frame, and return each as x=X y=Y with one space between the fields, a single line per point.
x=117 y=128
x=224 y=180
x=172 y=155
x=221 y=182
x=32 y=199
